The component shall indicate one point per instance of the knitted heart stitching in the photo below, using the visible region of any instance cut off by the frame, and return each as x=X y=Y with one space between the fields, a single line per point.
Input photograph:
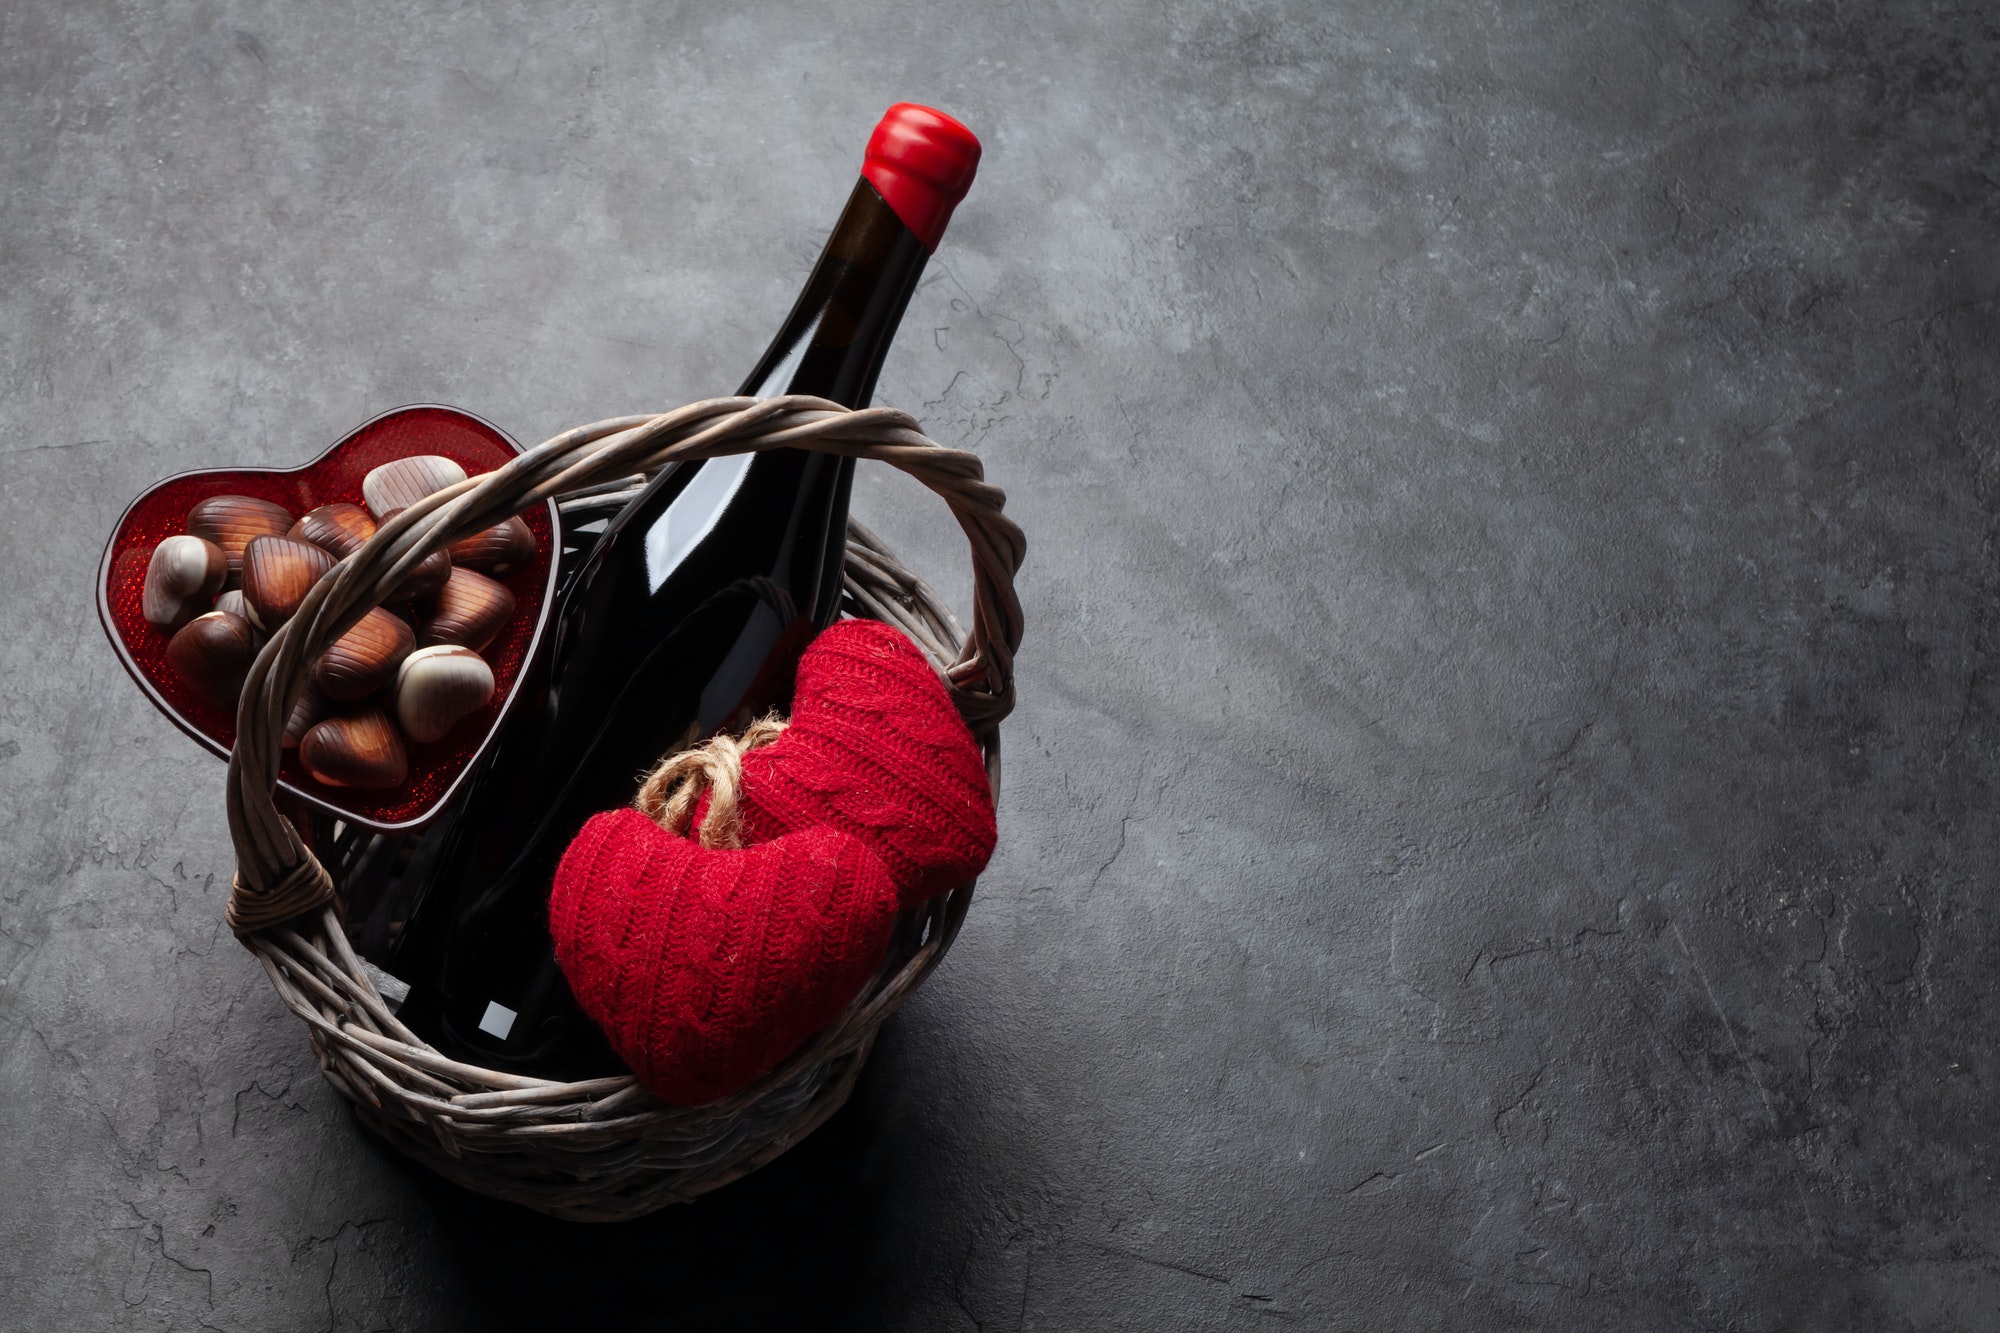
x=877 y=750
x=706 y=968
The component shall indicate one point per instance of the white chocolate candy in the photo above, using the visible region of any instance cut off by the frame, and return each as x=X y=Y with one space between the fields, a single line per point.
x=182 y=580
x=436 y=687
x=404 y=481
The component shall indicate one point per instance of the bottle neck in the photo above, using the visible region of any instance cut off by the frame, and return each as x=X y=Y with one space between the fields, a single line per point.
x=833 y=343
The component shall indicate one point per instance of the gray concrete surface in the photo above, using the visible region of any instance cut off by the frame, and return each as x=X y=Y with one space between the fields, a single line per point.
x=1497 y=832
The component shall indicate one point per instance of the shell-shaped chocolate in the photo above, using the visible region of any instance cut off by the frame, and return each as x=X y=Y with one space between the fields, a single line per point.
x=277 y=574
x=356 y=750
x=402 y=482
x=469 y=610
x=340 y=528
x=212 y=653
x=500 y=549
x=182 y=579
x=234 y=603
x=234 y=521
x=429 y=575
x=310 y=707
x=439 y=686
x=365 y=658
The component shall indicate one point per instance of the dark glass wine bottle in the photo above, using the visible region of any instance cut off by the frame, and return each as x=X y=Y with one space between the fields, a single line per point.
x=687 y=617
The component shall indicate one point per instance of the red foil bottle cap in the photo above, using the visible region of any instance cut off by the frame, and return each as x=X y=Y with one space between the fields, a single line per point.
x=921 y=162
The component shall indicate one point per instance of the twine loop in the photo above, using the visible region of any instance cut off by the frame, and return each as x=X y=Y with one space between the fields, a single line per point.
x=671 y=791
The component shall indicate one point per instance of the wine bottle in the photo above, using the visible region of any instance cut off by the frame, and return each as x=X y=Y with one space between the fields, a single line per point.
x=687 y=617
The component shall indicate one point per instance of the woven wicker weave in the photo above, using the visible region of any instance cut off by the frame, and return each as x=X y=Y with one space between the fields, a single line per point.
x=602 y=1150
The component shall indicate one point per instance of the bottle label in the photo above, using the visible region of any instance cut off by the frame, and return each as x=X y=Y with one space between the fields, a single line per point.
x=497 y=1021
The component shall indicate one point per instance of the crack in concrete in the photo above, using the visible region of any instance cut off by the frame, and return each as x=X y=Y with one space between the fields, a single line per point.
x=1763 y=1092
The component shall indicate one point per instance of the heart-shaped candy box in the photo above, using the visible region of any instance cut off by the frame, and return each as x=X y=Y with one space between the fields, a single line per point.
x=435 y=768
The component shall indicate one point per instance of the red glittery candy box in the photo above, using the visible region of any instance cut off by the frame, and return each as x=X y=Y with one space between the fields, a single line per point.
x=435 y=769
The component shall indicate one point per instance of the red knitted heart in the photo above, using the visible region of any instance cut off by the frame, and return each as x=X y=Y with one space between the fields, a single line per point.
x=706 y=968
x=875 y=749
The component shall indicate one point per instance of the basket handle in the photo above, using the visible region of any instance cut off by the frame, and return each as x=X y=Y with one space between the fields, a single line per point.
x=277 y=876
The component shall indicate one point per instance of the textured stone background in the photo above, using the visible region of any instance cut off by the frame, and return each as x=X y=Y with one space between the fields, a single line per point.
x=1497 y=833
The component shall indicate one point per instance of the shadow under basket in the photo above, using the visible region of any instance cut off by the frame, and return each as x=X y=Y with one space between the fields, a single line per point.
x=604 y=1149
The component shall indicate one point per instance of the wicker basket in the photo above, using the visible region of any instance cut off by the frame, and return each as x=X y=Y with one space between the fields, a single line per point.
x=605 y=1149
